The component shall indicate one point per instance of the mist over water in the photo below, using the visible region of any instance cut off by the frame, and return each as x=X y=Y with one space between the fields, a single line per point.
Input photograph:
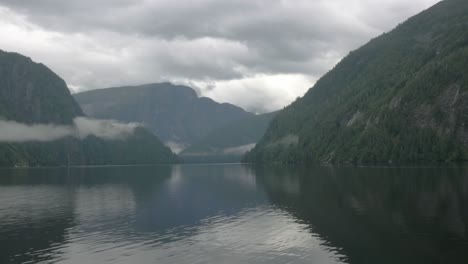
x=11 y=131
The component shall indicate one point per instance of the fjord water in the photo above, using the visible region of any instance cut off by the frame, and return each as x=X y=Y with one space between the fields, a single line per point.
x=234 y=214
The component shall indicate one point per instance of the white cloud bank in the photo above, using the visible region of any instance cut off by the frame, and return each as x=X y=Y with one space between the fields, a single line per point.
x=14 y=132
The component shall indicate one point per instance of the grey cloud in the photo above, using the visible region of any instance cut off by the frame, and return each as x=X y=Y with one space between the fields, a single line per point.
x=125 y=42
x=83 y=127
x=277 y=34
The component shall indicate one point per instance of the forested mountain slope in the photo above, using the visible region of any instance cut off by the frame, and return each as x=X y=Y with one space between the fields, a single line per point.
x=30 y=93
x=402 y=97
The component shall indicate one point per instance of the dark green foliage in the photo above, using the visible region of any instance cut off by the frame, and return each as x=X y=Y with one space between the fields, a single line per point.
x=172 y=112
x=142 y=148
x=403 y=97
x=31 y=93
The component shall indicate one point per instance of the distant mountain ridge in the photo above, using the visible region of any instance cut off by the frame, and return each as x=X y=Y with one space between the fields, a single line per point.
x=174 y=113
x=402 y=97
x=30 y=93
x=229 y=142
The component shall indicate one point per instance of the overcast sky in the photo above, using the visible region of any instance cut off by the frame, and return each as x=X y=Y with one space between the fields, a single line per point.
x=258 y=54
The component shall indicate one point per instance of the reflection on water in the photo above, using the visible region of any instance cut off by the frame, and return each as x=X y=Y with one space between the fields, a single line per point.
x=234 y=214
x=380 y=215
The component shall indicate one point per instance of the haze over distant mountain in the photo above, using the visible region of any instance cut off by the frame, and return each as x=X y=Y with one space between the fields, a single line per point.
x=173 y=112
x=401 y=97
x=45 y=125
x=229 y=142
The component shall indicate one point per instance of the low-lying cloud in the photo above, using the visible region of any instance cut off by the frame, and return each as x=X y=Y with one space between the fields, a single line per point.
x=239 y=150
x=14 y=132
x=105 y=129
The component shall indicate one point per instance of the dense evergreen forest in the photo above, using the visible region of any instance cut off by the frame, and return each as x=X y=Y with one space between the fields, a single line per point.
x=402 y=97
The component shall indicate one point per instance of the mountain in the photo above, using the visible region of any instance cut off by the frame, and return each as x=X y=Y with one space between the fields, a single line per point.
x=30 y=93
x=229 y=142
x=174 y=113
x=402 y=97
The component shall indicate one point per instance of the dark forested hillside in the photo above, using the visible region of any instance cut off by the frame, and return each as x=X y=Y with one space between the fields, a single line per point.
x=30 y=93
x=401 y=97
x=174 y=113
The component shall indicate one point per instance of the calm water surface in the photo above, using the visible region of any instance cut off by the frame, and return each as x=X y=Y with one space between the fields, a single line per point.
x=234 y=214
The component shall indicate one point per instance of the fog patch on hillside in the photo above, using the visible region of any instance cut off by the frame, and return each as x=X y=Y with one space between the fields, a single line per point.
x=14 y=132
x=176 y=147
x=239 y=150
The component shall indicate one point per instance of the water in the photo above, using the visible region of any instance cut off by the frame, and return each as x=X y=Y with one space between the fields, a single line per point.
x=234 y=214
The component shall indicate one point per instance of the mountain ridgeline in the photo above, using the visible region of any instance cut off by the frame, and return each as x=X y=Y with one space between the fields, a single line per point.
x=30 y=93
x=172 y=112
x=402 y=97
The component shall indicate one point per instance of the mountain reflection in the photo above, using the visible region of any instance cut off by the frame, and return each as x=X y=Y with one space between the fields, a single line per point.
x=378 y=215
x=194 y=193
x=234 y=214
x=29 y=210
